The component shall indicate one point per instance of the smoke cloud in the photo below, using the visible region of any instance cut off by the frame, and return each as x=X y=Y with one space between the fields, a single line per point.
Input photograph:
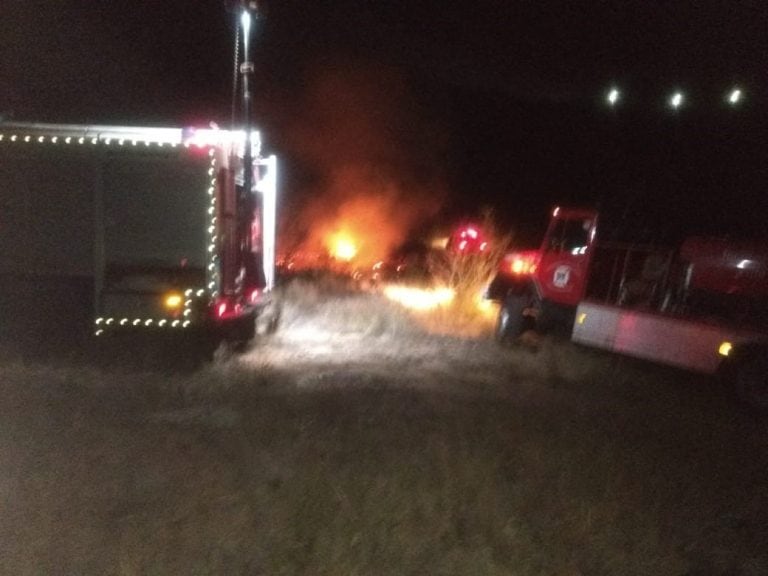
x=372 y=160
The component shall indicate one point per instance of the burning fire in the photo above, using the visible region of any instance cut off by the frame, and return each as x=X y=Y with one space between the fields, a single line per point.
x=342 y=246
x=359 y=217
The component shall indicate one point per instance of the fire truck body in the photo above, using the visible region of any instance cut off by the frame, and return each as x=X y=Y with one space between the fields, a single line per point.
x=136 y=229
x=678 y=341
x=701 y=307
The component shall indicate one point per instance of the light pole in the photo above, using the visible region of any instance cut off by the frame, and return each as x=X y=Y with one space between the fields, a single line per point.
x=678 y=167
x=251 y=256
x=246 y=69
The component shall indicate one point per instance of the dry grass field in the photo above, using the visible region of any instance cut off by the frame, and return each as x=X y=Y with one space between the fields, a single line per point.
x=355 y=442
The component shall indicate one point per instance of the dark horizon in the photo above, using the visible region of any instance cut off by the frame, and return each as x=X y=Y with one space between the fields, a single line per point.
x=484 y=105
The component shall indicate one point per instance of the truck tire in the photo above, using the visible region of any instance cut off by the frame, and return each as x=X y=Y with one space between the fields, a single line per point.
x=237 y=334
x=511 y=323
x=749 y=377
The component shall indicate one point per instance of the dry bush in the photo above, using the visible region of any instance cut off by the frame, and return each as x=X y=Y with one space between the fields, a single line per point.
x=468 y=275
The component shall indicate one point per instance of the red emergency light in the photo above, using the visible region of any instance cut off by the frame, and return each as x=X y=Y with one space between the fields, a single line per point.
x=468 y=239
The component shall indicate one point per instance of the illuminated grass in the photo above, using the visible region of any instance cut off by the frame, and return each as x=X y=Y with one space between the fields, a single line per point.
x=336 y=448
x=420 y=299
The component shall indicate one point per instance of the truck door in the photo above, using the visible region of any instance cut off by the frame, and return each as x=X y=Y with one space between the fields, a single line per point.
x=565 y=255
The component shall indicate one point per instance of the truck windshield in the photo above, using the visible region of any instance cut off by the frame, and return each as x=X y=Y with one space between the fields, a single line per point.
x=571 y=236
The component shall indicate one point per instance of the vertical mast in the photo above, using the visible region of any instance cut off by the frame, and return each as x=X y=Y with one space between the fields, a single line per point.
x=249 y=11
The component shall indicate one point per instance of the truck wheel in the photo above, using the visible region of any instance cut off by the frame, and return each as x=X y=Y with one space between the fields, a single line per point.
x=750 y=379
x=511 y=323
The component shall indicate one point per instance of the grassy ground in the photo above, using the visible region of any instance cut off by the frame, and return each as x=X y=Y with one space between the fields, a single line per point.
x=353 y=443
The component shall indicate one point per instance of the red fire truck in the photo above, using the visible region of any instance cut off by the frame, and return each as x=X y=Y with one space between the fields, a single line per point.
x=112 y=229
x=702 y=306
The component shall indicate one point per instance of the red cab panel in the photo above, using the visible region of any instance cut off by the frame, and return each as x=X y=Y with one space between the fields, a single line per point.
x=561 y=273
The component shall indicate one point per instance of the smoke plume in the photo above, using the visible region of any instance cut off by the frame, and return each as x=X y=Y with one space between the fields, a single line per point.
x=372 y=163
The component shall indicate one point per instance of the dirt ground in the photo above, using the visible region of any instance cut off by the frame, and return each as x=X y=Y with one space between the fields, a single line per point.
x=355 y=442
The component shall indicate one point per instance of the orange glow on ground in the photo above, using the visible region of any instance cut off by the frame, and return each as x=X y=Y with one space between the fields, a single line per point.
x=433 y=298
x=419 y=298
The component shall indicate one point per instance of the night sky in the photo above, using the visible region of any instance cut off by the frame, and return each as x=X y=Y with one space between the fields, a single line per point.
x=473 y=103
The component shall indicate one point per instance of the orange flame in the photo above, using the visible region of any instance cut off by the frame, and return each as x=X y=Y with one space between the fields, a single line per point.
x=342 y=246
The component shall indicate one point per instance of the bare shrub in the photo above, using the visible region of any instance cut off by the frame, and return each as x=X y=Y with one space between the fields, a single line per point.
x=468 y=274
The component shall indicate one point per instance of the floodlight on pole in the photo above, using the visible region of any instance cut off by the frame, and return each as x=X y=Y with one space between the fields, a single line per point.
x=676 y=100
x=613 y=96
x=245 y=21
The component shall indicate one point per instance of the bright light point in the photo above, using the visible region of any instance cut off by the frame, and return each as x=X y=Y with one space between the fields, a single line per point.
x=342 y=246
x=173 y=301
x=344 y=250
x=725 y=349
x=613 y=96
x=735 y=96
x=245 y=20
x=676 y=100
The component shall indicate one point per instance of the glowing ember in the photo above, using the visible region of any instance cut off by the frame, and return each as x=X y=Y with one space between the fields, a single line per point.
x=342 y=246
x=419 y=298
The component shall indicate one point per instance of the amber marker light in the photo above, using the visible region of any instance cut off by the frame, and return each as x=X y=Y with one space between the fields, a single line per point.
x=173 y=301
x=725 y=349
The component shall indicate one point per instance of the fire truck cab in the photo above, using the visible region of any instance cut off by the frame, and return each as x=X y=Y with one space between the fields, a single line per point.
x=702 y=306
